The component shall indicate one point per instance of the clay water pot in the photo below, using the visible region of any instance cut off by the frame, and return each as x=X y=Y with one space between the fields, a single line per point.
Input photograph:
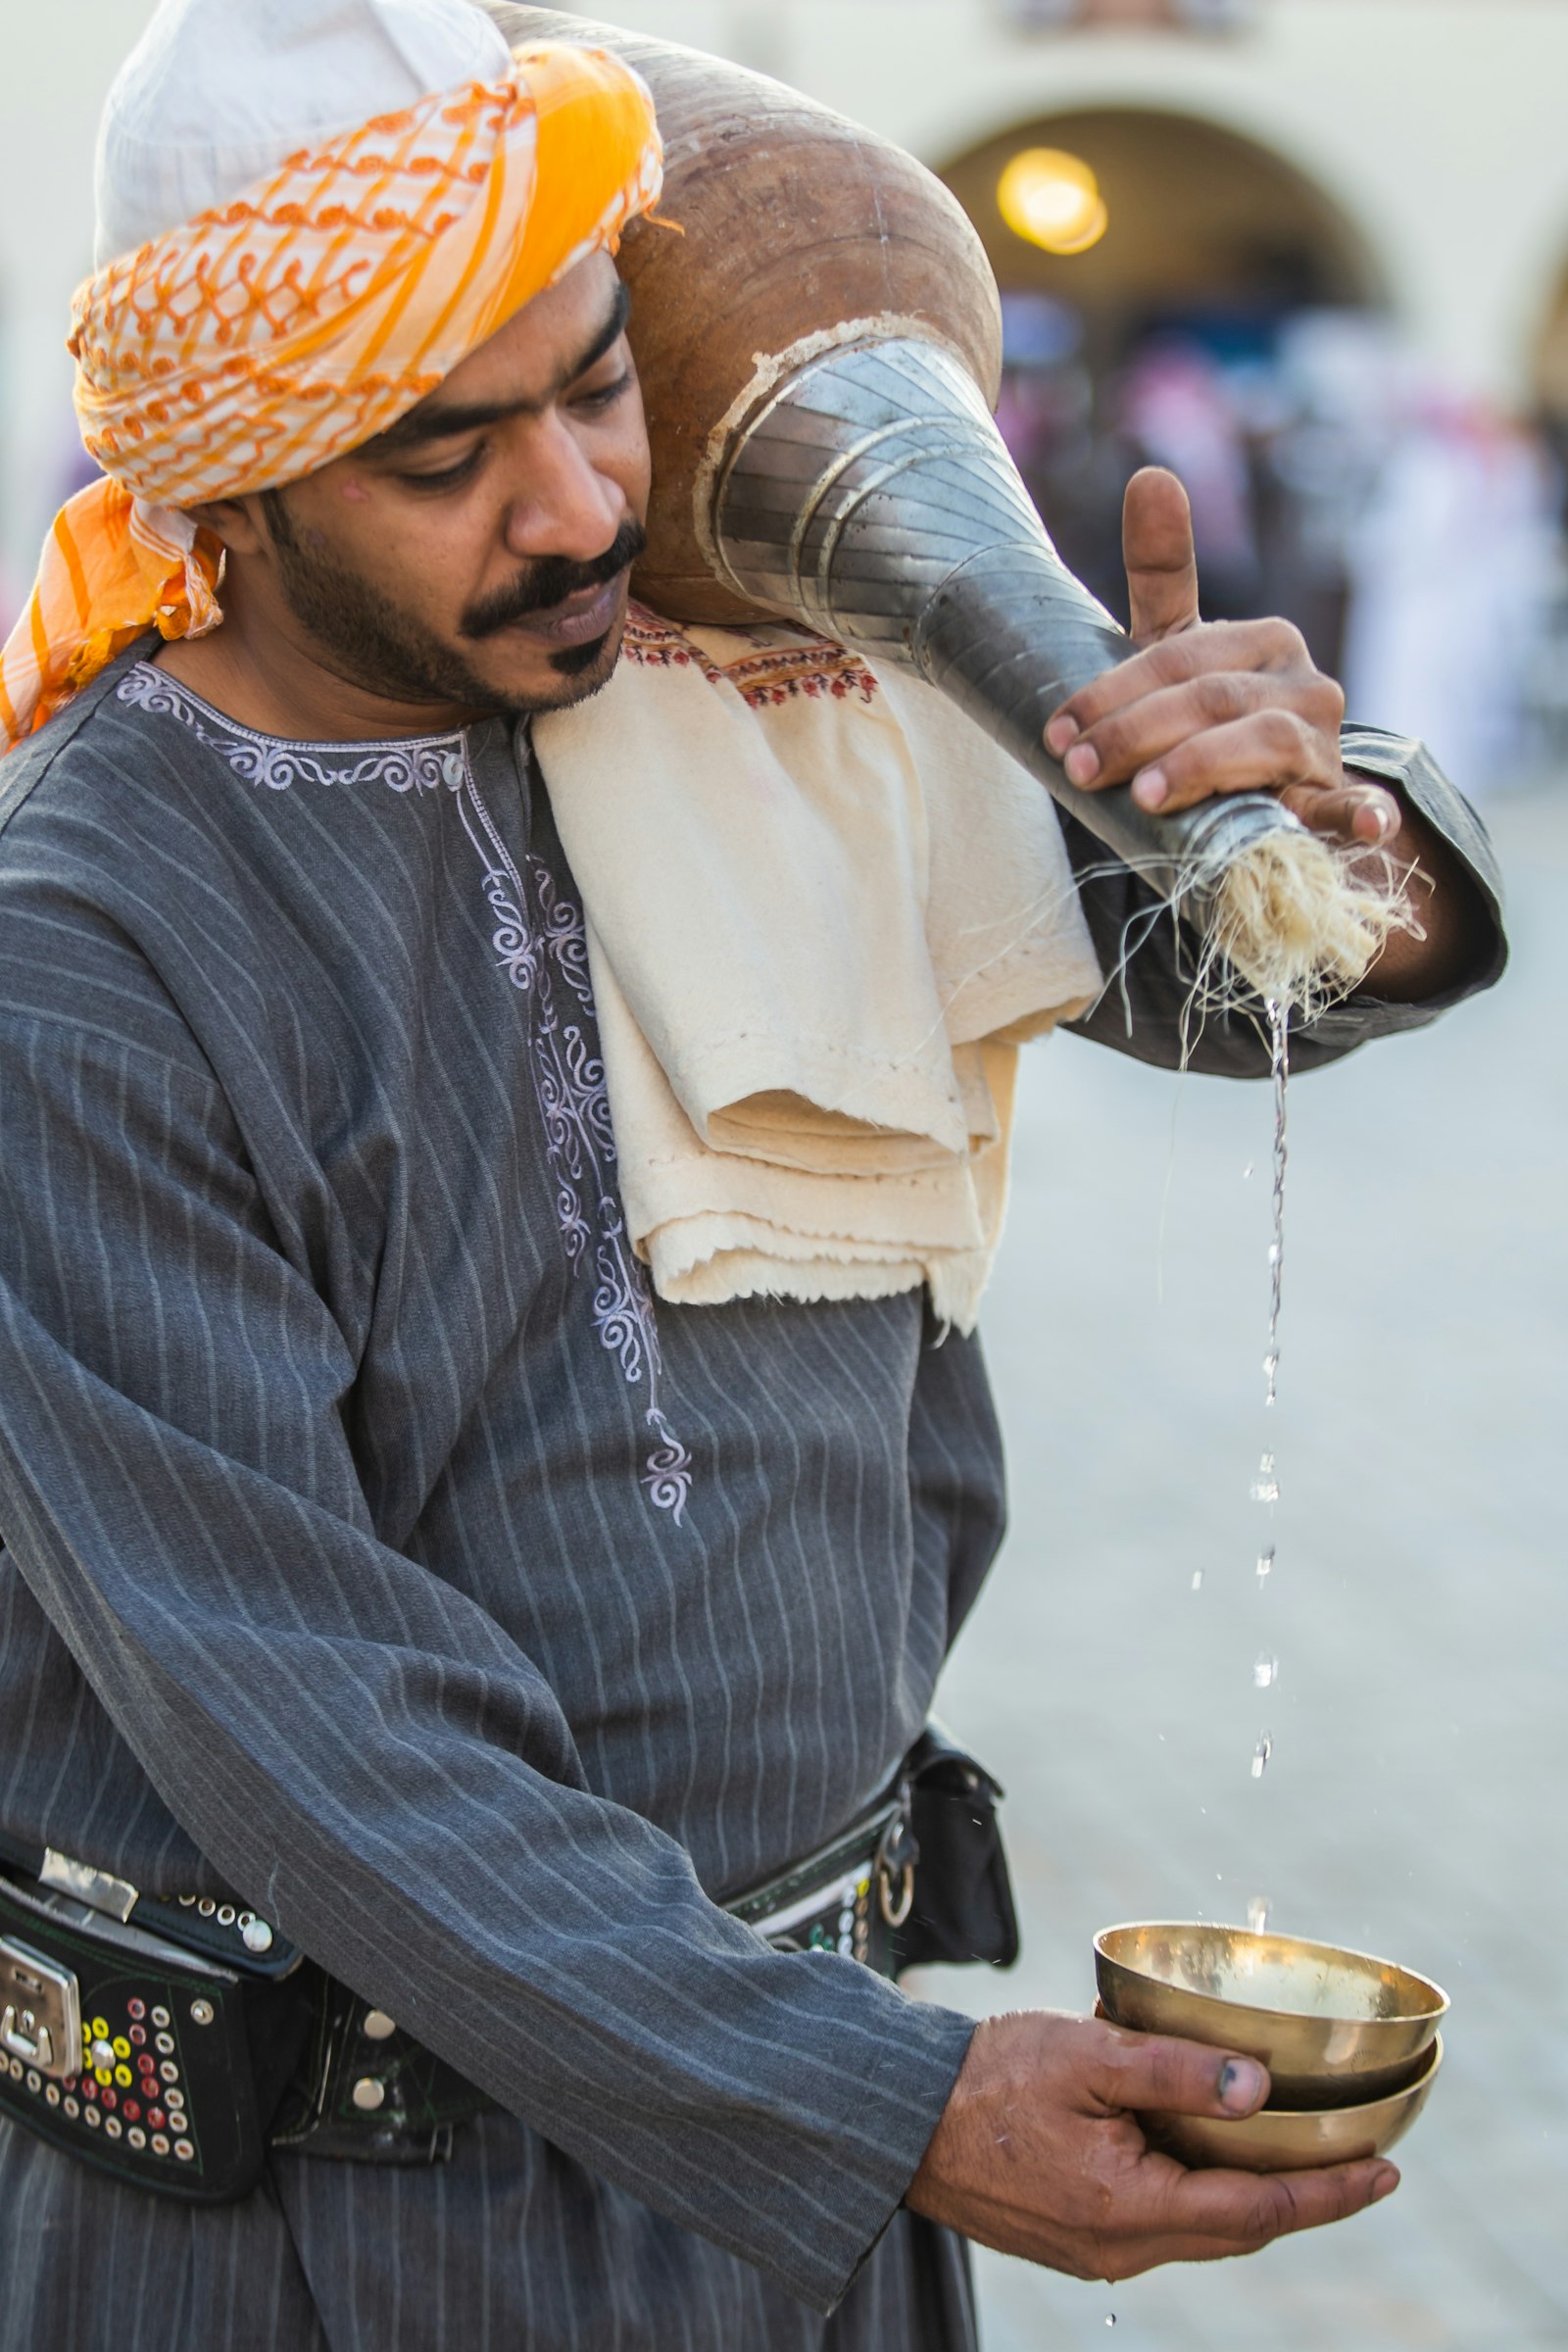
x=820 y=353
x=797 y=227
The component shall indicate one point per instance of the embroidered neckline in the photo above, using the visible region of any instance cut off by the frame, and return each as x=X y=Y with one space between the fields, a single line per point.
x=365 y=745
x=539 y=940
x=405 y=764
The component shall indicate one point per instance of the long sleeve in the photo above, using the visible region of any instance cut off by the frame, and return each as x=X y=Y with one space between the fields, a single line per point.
x=361 y=1749
x=1141 y=1012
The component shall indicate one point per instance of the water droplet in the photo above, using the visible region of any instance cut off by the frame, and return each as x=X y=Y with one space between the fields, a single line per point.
x=1275 y=1254
x=1246 y=1171
x=1265 y=1485
x=1266 y=1672
x=1262 y=1754
x=1257 y=1914
x=1110 y=2318
x=1198 y=1580
x=1265 y=1563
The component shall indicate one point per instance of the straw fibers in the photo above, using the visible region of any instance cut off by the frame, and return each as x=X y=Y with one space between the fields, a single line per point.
x=1301 y=921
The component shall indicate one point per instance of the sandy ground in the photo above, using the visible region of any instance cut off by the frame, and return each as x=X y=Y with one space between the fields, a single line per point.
x=1418 y=1608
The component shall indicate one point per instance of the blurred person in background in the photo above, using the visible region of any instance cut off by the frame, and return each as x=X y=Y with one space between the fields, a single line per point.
x=1414 y=537
x=1177 y=410
x=1452 y=567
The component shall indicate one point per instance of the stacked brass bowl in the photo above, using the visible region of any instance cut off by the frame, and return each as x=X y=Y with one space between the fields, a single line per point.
x=1351 y=2043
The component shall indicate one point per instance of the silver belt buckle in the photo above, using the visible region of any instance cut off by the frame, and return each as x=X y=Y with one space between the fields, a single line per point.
x=41 y=2012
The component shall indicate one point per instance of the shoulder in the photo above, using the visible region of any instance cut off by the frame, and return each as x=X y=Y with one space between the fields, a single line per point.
x=100 y=835
x=123 y=792
x=30 y=771
x=99 y=782
x=812 y=690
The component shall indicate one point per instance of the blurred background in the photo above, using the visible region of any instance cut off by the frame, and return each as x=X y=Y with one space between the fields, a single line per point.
x=1313 y=254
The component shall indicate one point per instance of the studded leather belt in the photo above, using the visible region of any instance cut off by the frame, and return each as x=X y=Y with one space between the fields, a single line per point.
x=172 y=2041
x=367 y=2092
x=851 y=1897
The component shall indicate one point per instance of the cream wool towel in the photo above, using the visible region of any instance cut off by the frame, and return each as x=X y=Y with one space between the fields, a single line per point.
x=823 y=913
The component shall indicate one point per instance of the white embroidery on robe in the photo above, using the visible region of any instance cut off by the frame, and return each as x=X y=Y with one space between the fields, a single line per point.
x=546 y=959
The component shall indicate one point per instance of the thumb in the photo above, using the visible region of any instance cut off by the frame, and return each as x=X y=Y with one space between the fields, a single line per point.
x=1156 y=2072
x=1156 y=545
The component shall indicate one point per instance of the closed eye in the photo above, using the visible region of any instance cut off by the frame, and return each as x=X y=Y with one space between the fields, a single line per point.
x=450 y=477
x=605 y=399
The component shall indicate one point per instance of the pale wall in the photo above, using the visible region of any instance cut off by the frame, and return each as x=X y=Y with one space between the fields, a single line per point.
x=1436 y=124
x=57 y=59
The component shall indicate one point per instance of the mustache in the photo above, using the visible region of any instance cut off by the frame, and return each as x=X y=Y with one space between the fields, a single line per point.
x=551 y=581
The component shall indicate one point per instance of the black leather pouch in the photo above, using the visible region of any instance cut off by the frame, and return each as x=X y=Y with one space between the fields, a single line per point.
x=148 y=2059
x=962 y=1908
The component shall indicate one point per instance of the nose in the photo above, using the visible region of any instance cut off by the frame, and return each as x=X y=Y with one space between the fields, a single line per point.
x=563 y=506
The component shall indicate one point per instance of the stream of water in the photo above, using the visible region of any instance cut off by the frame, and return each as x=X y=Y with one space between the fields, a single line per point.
x=1266 y=1486
x=1280 y=1069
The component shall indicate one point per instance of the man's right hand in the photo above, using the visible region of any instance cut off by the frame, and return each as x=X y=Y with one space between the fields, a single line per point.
x=1039 y=2153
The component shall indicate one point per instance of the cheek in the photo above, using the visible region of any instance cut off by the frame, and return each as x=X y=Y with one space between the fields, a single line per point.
x=624 y=457
x=431 y=563
x=639 y=482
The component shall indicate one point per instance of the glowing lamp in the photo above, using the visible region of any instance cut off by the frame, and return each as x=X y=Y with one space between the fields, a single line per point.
x=1051 y=198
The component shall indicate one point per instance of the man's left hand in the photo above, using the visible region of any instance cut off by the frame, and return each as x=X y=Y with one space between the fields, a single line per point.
x=1204 y=708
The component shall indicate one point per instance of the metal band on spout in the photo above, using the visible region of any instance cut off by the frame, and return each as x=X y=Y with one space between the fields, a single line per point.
x=871 y=497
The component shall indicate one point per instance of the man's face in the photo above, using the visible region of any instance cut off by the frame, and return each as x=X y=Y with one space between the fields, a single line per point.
x=477 y=553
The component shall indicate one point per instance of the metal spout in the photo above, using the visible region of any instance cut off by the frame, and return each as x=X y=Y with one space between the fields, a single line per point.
x=871 y=497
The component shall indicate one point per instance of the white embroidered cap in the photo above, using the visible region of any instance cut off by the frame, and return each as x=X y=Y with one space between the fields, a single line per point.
x=217 y=92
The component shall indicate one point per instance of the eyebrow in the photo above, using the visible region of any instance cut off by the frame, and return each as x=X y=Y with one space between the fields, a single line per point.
x=436 y=420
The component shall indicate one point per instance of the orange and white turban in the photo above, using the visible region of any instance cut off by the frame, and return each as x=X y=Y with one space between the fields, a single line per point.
x=297 y=317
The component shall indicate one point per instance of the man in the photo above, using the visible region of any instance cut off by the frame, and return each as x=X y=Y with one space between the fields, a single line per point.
x=344 y=1601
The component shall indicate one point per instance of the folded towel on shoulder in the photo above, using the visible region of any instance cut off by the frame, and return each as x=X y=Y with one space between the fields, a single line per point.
x=823 y=911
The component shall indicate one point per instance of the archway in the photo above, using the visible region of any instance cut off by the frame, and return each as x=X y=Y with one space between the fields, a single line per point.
x=1197 y=214
x=1217 y=307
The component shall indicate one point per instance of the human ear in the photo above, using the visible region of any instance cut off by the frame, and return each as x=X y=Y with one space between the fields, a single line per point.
x=237 y=521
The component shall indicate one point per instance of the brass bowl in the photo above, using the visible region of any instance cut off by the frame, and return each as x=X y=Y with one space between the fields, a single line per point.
x=1334 y=2028
x=1276 y=2140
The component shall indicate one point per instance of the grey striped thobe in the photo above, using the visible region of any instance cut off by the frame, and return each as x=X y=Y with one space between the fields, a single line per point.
x=374 y=1555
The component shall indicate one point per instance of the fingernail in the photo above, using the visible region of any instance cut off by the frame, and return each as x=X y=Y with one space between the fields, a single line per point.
x=1387 y=2183
x=1059 y=734
x=1082 y=763
x=1151 y=790
x=1378 y=814
x=1241 y=2085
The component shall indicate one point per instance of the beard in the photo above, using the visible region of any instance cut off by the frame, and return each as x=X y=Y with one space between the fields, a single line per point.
x=366 y=637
